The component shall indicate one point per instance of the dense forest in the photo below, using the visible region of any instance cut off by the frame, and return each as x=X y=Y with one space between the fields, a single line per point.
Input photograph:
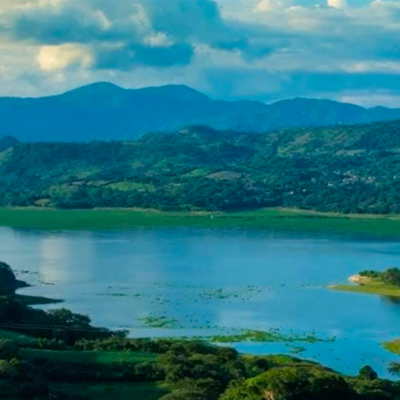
x=59 y=355
x=349 y=169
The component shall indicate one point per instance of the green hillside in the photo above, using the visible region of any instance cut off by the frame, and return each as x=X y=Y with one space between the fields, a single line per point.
x=350 y=169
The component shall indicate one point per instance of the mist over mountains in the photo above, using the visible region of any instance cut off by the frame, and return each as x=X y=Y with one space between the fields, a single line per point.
x=104 y=111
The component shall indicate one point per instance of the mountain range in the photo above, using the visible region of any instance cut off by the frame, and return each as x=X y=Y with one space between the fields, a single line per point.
x=104 y=111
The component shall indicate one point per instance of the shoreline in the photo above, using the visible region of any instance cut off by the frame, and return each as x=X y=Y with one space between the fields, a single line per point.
x=291 y=220
x=365 y=285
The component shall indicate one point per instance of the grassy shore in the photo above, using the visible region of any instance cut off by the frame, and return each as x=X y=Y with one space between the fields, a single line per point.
x=34 y=300
x=393 y=346
x=273 y=336
x=123 y=219
x=374 y=286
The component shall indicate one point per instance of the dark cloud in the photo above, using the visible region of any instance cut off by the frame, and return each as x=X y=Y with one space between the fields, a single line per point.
x=135 y=55
x=53 y=25
x=194 y=21
x=118 y=31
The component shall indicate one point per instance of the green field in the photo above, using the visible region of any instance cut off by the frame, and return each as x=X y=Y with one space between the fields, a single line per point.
x=374 y=287
x=116 y=391
x=88 y=356
x=18 y=337
x=275 y=219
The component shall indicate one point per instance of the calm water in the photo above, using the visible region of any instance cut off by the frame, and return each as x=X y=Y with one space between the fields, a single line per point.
x=118 y=278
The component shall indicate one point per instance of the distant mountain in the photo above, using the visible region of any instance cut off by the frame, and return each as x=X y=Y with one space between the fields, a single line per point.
x=103 y=111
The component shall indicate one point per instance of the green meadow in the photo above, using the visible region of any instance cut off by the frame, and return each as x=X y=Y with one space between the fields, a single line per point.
x=125 y=219
x=88 y=356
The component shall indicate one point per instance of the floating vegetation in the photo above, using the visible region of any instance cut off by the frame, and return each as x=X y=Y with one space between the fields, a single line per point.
x=297 y=350
x=272 y=336
x=245 y=293
x=112 y=294
x=160 y=322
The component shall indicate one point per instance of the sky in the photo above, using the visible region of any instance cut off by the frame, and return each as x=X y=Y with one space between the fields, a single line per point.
x=347 y=50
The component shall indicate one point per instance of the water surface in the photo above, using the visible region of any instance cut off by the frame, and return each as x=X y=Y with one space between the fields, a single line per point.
x=120 y=277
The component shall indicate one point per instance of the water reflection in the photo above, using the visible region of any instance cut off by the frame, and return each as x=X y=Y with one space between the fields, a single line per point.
x=391 y=300
x=62 y=256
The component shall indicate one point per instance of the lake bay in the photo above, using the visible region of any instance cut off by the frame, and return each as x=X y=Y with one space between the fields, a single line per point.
x=217 y=281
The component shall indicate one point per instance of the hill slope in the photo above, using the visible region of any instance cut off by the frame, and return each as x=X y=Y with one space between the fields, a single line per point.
x=343 y=168
x=103 y=111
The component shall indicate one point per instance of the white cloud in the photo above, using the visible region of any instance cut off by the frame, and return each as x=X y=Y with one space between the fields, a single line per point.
x=341 y=4
x=271 y=5
x=158 y=40
x=54 y=58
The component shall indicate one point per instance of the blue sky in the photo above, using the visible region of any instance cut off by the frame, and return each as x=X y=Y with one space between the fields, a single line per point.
x=347 y=50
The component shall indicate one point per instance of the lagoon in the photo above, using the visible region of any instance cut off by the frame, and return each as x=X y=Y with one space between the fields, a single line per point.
x=217 y=281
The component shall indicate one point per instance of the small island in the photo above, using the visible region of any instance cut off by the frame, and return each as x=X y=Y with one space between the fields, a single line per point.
x=386 y=283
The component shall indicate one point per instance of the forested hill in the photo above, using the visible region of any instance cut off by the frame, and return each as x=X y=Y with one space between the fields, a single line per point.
x=346 y=168
x=103 y=111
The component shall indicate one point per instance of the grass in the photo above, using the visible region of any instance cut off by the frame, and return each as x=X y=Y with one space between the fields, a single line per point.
x=116 y=391
x=279 y=219
x=374 y=286
x=90 y=357
x=393 y=346
x=18 y=337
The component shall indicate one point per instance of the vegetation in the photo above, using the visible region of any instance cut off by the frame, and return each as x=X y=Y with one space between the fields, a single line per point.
x=339 y=169
x=8 y=281
x=279 y=219
x=112 y=391
x=393 y=346
x=187 y=370
x=64 y=357
x=88 y=357
x=385 y=283
x=160 y=322
x=262 y=336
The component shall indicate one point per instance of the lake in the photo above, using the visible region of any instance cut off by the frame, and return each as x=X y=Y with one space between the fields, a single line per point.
x=207 y=282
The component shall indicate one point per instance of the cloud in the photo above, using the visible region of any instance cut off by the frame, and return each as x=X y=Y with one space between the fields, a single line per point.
x=126 y=57
x=337 y=3
x=229 y=48
x=154 y=33
x=53 y=58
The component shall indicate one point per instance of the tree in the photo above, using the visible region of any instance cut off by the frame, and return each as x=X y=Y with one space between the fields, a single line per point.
x=392 y=276
x=285 y=383
x=367 y=373
x=8 y=282
x=394 y=368
x=329 y=386
x=195 y=389
x=240 y=390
